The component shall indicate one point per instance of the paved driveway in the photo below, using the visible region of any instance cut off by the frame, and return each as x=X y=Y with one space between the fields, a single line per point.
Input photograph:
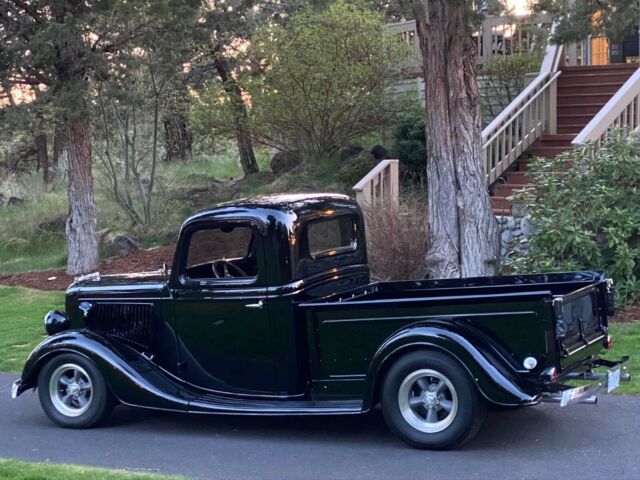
x=581 y=442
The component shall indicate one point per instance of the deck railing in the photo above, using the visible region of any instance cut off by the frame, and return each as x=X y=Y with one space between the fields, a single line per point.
x=380 y=187
x=526 y=119
x=498 y=36
x=622 y=111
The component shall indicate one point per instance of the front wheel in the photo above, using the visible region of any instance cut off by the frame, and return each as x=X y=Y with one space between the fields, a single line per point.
x=430 y=401
x=73 y=393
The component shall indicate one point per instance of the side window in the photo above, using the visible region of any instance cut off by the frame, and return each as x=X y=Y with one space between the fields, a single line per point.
x=226 y=252
x=331 y=236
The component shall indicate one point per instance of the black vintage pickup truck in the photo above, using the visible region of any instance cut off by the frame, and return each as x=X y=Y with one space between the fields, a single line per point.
x=268 y=310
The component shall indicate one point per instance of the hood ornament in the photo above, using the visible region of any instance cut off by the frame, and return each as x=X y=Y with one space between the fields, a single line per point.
x=85 y=307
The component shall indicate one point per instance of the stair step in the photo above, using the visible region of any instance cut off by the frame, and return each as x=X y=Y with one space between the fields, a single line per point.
x=518 y=178
x=570 y=98
x=548 y=152
x=581 y=78
x=570 y=129
x=501 y=206
x=574 y=119
x=590 y=108
x=560 y=140
x=573 y=88
x=506 y=189
x=612 y=67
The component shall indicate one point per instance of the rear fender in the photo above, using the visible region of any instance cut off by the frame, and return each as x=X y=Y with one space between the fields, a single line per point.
x=130 y=377
x=496 y=380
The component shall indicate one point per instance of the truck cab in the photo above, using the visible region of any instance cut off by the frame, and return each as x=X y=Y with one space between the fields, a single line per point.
x=268 y=309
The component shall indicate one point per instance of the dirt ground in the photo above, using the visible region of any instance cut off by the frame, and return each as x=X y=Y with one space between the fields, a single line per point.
x=152 y=259
x=57 y=279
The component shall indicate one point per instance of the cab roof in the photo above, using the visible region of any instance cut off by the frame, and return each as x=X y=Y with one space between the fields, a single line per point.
x=286 y=208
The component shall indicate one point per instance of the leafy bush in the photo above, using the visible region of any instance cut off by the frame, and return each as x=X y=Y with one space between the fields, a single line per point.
x=587 y=216
x=409 y=145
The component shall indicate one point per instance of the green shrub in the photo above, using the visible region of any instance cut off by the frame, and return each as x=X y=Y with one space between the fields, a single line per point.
x=588 y=216
x=409 y=140
x=353 y=169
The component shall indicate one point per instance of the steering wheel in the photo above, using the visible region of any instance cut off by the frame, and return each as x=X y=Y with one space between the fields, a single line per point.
x=226 y=266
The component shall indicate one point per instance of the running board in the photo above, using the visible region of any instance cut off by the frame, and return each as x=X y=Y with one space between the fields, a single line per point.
x=216 y=404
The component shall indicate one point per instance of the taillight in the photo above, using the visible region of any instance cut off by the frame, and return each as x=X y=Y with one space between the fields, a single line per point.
x=550 y=375
x=608 y=343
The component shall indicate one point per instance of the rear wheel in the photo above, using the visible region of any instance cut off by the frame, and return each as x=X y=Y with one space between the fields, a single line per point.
x=430 y=401
x=73 y=393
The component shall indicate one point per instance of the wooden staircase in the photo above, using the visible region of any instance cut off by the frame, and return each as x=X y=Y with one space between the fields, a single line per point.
x=582 y=91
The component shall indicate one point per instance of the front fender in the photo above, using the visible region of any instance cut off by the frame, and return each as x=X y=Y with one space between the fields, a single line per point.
x=130 y=377
x=496 y=380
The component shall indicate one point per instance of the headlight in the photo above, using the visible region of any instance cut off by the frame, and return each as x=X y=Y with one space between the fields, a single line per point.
x=55 y=322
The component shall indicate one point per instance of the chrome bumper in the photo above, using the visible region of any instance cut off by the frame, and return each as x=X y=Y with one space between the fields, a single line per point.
x=588 y=394
x=15 y=389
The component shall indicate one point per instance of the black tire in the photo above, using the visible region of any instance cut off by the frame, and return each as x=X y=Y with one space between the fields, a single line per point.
x=449 y=428
x=89 y=407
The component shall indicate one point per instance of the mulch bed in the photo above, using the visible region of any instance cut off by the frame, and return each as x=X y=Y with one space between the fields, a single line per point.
x=627 y=315
x=57 y=279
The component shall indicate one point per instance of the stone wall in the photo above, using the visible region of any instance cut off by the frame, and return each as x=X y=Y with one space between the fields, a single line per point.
x=515 y=233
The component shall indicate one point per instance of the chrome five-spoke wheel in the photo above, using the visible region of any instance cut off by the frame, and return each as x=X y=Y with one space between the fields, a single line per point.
x=73 y=392
x=428 y=400
x=70 y=390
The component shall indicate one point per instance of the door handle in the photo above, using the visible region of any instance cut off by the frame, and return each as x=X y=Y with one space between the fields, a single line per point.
x=260 y=304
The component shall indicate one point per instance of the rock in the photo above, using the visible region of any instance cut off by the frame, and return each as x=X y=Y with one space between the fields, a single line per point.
x=379 y=152
x=349 y=151
x=15 y=201
x=526 y=227
x=282 y=162
x=517 y=233
x=506 y=237
x=511 y=223
x=56 y=224
x=364 y=157
x=120 y=245
x=3 y=199
x=253 y=180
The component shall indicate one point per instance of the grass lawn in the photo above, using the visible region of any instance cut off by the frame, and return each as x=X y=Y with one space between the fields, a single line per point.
x=21 y=323
x=17 y=470
x=21 y=328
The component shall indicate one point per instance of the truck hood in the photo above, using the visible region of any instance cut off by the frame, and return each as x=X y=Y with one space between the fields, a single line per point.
x=150 y=284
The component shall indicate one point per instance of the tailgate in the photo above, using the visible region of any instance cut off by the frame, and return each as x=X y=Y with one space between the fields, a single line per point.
x=581 y=320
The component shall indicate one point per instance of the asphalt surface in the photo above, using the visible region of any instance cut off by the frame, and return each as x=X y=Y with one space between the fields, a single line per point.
x=546 y=441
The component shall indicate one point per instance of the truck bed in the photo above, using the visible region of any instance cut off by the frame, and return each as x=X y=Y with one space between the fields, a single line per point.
x=560 y=318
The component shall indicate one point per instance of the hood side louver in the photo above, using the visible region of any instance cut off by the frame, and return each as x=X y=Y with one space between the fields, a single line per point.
x=133 y=322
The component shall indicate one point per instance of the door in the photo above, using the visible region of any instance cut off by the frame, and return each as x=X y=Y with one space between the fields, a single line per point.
x=220 y=313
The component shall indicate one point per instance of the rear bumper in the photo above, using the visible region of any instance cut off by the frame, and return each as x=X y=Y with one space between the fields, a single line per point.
x=599 y=381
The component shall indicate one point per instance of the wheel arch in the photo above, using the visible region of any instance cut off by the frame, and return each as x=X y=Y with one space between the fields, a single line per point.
x=128 y=376
x=496 y=383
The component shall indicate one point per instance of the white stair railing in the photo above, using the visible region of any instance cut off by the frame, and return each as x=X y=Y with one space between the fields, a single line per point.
x=380 y=187
x=621 y=111
x=526 y=119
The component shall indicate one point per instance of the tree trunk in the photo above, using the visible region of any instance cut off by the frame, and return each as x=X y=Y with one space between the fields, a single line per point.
x=82 y=245
x=177 y=138
x=42 y=156
x=58 y=150
x=462 y=233
x=240 y=117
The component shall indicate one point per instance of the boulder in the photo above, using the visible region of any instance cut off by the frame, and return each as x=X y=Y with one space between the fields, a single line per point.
x=120 y=245
x=3 y=199
x=15 y=201
x=282 y=162
x=379 y=152
x=349 y=151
